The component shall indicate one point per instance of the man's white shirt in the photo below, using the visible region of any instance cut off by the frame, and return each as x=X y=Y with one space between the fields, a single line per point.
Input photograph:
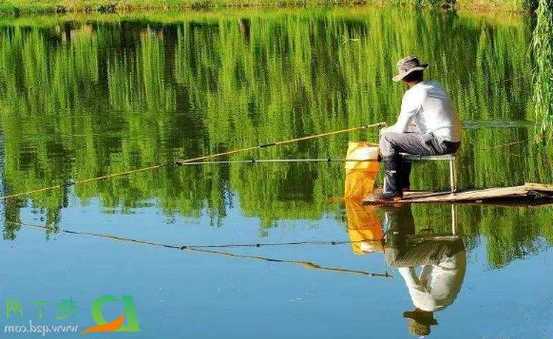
x=428 y=107
x=438 y=285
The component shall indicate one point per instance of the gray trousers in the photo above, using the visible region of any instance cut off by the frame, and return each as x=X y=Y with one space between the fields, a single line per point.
x=392 y=144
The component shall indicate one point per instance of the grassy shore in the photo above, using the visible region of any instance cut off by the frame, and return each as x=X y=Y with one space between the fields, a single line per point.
x=111 y=6
x=503 y=19
x=16 y=7
x=502 y=5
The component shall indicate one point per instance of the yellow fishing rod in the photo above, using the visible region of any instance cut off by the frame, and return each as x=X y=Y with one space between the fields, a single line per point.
x=278 y=143
x=190 y=160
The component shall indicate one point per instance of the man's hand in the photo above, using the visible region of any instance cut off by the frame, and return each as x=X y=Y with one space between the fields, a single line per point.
x=385 y=130
x=412 y=127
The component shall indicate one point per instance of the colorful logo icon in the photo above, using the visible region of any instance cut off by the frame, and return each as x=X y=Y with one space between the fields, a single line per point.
x=126 y=322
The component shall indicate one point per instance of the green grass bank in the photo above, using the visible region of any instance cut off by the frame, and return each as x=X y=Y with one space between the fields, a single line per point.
x=20 y=7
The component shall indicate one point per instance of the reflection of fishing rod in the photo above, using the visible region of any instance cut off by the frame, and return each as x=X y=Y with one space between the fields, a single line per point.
x=205 y=249
x=184 y=161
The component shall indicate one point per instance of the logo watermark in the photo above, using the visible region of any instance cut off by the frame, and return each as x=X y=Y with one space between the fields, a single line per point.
x=65 y=310
x=118 y=324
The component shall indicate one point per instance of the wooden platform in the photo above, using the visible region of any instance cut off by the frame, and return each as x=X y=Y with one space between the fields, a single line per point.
x=525 y=194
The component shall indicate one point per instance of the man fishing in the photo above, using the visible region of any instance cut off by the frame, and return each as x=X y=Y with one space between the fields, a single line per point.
x=427 y=125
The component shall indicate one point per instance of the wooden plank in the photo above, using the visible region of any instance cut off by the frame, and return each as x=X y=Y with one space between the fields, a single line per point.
x=527 y=192
x=538 y=187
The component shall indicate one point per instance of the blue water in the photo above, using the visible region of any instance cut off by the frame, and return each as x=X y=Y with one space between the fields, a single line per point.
x=179 y=294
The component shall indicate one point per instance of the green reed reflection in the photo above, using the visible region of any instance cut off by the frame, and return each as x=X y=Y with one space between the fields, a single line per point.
x=84 y=98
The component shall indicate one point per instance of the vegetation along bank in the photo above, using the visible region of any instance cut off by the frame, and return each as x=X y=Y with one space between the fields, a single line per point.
x=18 y=7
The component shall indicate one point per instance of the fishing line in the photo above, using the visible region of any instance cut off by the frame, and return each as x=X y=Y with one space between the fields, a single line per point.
x=509 y=144
x=260 y=161
x=207 y=249
x=291 y=243
x=184 y=161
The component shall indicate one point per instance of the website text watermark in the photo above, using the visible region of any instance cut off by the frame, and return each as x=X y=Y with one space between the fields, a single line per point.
x=42 y=329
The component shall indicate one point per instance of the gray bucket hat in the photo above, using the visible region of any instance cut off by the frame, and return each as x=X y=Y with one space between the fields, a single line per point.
x=407 y=66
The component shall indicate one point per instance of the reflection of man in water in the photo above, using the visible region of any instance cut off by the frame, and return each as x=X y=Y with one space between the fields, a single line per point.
x=442 y=260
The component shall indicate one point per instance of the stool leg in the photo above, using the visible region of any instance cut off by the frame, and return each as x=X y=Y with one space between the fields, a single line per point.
x=455 y=177
x=452 y=180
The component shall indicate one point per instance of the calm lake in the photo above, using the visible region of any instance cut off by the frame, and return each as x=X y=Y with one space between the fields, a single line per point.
x=86 y=96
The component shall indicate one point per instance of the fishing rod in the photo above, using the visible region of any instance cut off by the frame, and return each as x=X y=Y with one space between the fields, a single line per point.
x=207 y=250
x=278 y=143
x=183 y=161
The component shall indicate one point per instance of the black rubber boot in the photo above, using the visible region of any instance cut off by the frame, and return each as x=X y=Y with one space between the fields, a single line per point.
x=404 y=174
x=391 y=189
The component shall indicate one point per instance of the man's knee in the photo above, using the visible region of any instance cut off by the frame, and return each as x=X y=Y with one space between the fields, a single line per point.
x=387 y=144
x=385 y=139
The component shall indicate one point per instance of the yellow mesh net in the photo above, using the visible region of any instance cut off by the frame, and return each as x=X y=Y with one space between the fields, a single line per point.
x=360 y=175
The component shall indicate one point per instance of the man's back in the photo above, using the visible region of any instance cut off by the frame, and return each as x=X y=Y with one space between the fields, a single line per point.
x=436 y=113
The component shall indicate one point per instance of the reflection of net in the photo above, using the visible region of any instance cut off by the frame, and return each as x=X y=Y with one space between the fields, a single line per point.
x=364 y=230
x=360 y=175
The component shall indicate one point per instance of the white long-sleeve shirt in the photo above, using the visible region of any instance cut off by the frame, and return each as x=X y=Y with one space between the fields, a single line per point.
x=438 y=285
x=428 y=106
